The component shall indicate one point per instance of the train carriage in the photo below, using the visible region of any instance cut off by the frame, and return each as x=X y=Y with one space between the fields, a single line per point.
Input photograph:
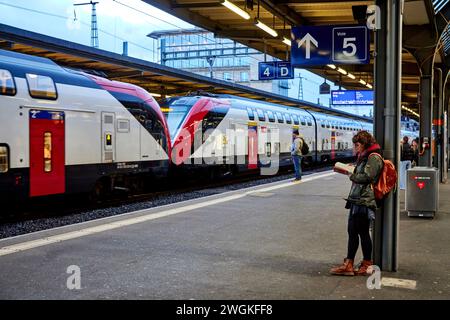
x=224 y=130
x=64 y=131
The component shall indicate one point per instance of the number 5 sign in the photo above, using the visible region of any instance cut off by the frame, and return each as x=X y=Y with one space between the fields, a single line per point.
x=348 y=44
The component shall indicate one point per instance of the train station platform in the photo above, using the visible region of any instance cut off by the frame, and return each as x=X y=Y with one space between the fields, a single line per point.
x=276 y=241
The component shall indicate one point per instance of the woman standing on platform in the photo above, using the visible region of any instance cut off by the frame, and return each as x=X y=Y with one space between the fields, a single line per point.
x=361 y=202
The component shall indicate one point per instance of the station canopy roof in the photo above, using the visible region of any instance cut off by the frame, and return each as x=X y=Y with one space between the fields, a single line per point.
x=154 y=77
x=282 y=14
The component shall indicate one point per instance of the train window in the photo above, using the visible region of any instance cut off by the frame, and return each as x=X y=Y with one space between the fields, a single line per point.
x=303 y=120
x=280 y=117
x=261 y=115
x=294 y=116
x=41 y=87
x=251 y=115
x=7 y=86
x=288 y=118
x=47 y=151
x=271 y=116
x=4 y=158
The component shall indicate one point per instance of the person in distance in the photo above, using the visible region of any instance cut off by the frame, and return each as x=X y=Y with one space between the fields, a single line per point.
x=406 y=157
x=361 y=202
x=296 y=153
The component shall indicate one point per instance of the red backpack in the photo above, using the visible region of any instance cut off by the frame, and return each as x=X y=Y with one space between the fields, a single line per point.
x=387 y=179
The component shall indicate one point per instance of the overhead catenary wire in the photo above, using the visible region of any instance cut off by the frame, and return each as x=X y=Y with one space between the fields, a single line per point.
x=65 y=18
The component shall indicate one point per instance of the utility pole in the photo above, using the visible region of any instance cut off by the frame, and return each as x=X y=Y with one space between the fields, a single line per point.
x=210 y=61
x=94 y=29
x=300 y=86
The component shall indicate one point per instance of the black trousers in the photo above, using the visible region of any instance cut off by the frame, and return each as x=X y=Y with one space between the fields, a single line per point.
x=358 y=228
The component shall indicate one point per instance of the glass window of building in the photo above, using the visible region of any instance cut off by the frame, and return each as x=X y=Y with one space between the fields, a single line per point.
x=244 y=76
x=227 y=76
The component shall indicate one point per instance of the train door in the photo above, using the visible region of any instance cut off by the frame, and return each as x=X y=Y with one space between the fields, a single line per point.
x=252 y=145
x=47 y=153
x=108 y=137
x=238 y=145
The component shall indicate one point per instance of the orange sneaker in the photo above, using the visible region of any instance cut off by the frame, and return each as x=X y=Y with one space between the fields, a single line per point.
x=346 y=269
x=364 y=269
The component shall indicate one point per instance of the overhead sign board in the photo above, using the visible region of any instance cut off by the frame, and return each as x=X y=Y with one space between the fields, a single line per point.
x=324 y=88
x=284 y=70
x=320 y=45
x=275 y=70
x=352 y=97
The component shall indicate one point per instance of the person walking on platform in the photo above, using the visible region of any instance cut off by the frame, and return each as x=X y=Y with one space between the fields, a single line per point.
x=361 y=202
x=296 y=153
x=406 y=156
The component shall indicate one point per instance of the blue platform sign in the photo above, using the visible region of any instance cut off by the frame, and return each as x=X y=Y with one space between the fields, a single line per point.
x=284 y=70
x=266 y=71
x=314 y=46
x=275 y=70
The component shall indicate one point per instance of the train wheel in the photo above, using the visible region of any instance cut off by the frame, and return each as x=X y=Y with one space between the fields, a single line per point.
x=101 y=190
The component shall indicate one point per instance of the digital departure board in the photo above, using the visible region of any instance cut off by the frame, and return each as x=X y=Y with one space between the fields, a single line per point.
x=352 y=97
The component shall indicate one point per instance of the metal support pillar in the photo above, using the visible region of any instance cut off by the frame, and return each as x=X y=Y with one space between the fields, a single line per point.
x=388 y=42
x=445 y=128
x=438 y=121
x=445 y=100
x=426 y=111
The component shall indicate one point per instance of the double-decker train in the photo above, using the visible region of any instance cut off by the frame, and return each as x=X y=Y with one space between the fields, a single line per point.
x=64 y=131
x=243 y=134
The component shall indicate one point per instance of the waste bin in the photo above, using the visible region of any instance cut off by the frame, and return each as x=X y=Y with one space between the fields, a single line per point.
x=422 y=192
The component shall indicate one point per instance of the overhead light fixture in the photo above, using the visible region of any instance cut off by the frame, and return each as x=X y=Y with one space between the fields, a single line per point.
x=350 y=76
x=362 y=82
x=236 y=9
x=287 y=41
x=369 y=86
x=266 y=28
x=332 y=66
x=155 y=94
x=342 y=71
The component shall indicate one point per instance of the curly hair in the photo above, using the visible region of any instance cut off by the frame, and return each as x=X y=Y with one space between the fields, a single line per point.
x=365 y=138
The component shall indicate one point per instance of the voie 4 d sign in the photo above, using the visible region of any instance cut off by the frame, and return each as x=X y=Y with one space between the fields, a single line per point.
x=275 y=70
x=313 y=46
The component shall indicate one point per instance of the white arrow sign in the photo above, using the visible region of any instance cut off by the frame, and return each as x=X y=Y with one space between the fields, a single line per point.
x=308 y=39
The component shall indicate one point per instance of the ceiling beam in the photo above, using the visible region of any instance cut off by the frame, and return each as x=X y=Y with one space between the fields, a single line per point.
x=320 y=1
x=196 y=5
x=284 y=12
